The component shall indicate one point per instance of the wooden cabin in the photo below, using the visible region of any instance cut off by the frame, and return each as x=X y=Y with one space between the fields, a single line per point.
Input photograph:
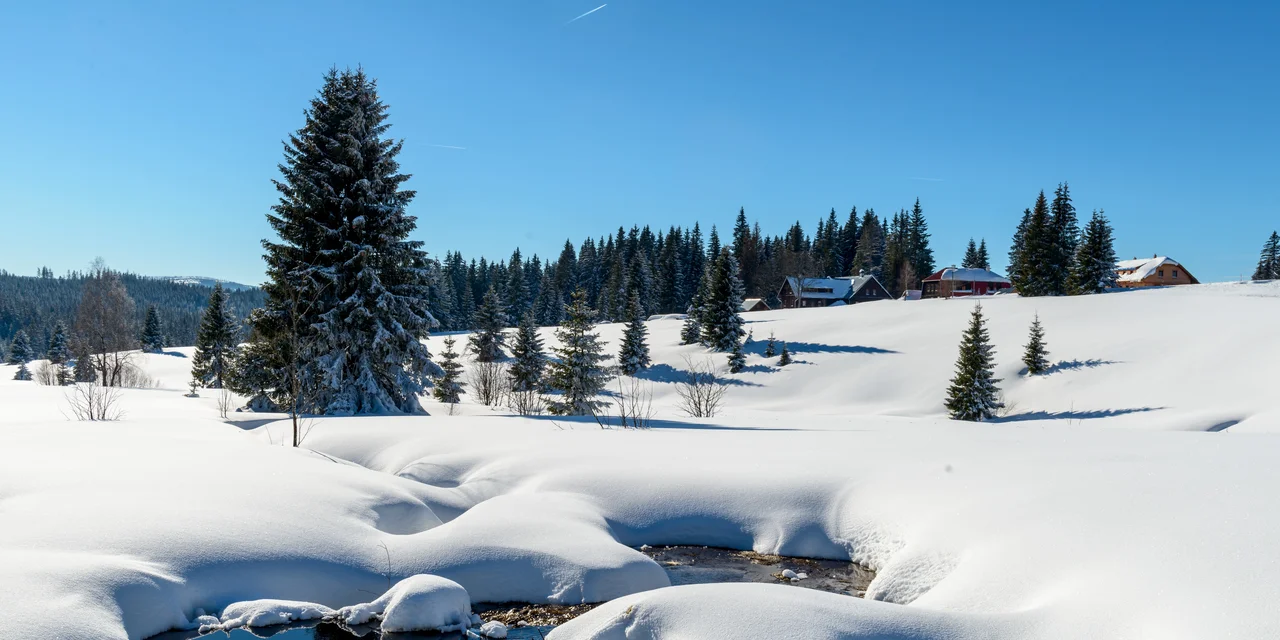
x=824 y=292
x=754 y=304
x=1156 y=271
x=953 y=282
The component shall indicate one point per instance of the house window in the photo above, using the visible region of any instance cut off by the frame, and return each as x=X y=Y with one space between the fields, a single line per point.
x=1161 y=272
x=1175 y=274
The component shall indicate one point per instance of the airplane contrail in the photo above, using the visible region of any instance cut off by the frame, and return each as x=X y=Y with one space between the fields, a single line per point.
x=447 y=146
x=588 y=13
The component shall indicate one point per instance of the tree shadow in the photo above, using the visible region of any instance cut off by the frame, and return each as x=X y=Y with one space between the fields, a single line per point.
x=1072 y=365
x=176 y=354
x=656 y=423
x=1073 y=415
x=668 y=374
x=758 y=346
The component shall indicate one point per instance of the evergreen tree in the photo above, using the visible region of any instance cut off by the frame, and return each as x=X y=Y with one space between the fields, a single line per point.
x=1094 y=269
x=1017 y=249
x=1036 y=275
x=722 y=325
x=84 y=371
x=152 y=333
x=517 y=297
x=919 y=254
x=970 y=256
x=770 y=347
x=448 y=385
x=530 y=361
x=346 y=285
x=634 y=355
x=578 y=374
x=973 y=394
x=984 y=259
x=490 y=319
x=1063 y=240
x=23 y=373
x=1269 y=260
x=1036 y=356
x=215 y=343
x=691 y=330
x=20 y=350
x=784 y=358
x=59 y=349
x=871 y=241
x=737 y=361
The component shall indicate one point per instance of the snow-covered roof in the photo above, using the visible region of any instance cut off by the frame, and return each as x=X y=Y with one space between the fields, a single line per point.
x=748 y=303
x=1140 y=269
x=839 y=288
x=968 y=275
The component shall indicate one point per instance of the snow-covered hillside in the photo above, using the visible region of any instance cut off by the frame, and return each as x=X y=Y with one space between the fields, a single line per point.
x=1126 y=495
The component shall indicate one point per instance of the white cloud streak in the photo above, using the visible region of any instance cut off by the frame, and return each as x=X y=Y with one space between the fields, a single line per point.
x=587 y=13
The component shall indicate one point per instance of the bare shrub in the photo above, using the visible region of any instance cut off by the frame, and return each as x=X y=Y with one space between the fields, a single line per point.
x=226 y=402
x=132 y=376
x=701 y=392
x=634 y=402
x=91 y=402
x=489 y=384
x=46 y=374
x=526 y=402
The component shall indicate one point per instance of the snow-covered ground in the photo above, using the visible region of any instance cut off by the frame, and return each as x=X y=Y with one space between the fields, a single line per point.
x=1128 y=494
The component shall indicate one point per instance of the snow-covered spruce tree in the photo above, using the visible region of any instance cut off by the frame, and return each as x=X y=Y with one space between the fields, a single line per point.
x=691 y=331
x=490 y=319
x=448 y=385
x=973 y=394
x=23 y=372
x=1094 y=269
x=59 y=349
x=1269 y=260
x=984 y=258
x=216 y=342
x=526 y=371
x=770 y=347
x=784 y=358
x=152 y=333
x=737 y=361
x=84 y=370
x=347 y=307
x=970 y=260
x=20 y=351
x=634 y=355
x=722 y=327
x=578 y=375
x=1036 y=355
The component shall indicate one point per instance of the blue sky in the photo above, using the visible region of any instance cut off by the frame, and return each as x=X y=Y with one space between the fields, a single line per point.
x=148 y=133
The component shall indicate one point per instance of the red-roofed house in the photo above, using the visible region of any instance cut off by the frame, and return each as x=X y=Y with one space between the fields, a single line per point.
x=955 y=283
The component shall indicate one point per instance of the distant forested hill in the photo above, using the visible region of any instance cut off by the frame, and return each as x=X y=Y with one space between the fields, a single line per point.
x=35 y=304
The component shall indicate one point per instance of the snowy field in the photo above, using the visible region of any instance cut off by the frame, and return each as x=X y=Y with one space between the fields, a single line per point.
x=1128 y=494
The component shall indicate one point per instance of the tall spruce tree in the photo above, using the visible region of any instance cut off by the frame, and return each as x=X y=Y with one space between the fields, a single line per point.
x=448 y=385
x=216 y=342
x=1036 y=275
x=20 y=350
x=1036 y=355
x=1094 y=269
x=346 y=285
x=973 y=394
x=1063 y=240
x=970 y=260
x=1269 y=259
x=578 y=374
x=59 y=349
x=634 y=354
x=490 y=319
x=919 y=254
x=152 y=333
x=722 y=326
x=1017 y=249
x=529 y=360
x=984 y=259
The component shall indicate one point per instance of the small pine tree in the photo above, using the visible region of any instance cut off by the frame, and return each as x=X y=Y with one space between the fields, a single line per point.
x=84 y=371
x=1036 y=356
x=634 y=355
x=578 y=374
x=23 y=373
x=216 y=342
x=448 y=386
x=973 y=394
x=691 y=331
x=784 y=358
x=152 y=332
x=20 y=351
x=59 y=350
x=770 y=347
x=530 y=361
x=487 y=340
x=737 y=361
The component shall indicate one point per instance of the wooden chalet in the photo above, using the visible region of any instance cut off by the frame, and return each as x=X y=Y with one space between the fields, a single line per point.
x=824 y=292
x=1156 y=271
x=953 y=282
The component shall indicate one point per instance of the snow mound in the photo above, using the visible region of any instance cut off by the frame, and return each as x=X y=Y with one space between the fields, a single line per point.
x=493 y=629
x=264 y=613
x=769 y=612
x=417 y=603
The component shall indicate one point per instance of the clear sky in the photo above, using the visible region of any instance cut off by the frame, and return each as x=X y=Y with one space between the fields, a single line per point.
x=148 y=133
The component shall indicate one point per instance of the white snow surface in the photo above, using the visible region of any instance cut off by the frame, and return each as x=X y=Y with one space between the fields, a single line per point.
x=417 y=603
x=1128 y=494
x=264 y=613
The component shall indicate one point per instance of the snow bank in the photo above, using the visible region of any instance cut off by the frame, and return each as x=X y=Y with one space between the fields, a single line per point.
x=417 y=603
x=264 y=613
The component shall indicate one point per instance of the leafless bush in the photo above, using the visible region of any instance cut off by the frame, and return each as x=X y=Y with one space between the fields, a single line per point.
x=91 y=402
x=132 y=376
x=46 y=373
x=526 y=402
x=226 y=402
x=634 y=402
x=488 y=382
x=701 y=392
